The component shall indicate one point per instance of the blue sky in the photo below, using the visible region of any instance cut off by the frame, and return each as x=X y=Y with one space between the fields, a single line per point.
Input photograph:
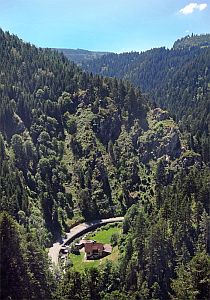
x=104 y=25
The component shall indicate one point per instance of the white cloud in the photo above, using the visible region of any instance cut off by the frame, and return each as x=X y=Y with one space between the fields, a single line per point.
x=189 y=9
x=203 y=6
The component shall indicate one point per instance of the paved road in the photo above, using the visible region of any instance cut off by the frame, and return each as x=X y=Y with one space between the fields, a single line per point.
x=76 y=232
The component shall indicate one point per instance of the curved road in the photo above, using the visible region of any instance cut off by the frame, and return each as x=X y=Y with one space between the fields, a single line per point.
x=76 y=232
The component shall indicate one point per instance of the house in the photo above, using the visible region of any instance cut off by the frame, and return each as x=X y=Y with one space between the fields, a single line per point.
x=94 y=250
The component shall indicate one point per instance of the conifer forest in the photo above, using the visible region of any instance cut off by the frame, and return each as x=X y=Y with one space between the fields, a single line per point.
x=105 y=136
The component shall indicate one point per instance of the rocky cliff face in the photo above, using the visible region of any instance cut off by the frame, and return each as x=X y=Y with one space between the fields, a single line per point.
x=162 y=138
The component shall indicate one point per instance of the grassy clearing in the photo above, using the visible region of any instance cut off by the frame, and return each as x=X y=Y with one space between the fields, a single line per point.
x=101 y=235
x=104 y=234
x=80 y=264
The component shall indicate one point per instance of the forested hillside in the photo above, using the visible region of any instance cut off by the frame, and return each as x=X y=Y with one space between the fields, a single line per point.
x=202 y=40
x=62 y=137
x=77 y=147
x=176 y=79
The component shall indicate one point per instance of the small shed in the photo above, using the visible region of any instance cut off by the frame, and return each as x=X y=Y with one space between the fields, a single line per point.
x=107 y=249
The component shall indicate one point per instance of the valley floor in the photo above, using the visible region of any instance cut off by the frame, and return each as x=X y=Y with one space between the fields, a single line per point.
x=76 y=232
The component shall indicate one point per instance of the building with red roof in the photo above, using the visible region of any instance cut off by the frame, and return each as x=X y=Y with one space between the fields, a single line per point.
x=95 y=250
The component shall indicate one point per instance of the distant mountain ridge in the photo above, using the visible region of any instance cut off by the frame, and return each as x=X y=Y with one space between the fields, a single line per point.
x=80 y=55
x=83 y=55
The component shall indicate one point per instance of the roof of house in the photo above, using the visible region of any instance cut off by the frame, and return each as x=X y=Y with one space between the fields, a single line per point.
x=93 y=246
